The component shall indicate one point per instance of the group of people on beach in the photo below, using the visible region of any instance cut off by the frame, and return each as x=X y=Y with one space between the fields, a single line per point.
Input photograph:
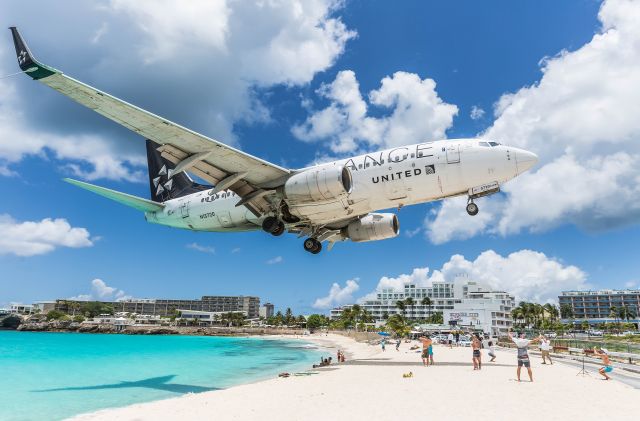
x=522 y=353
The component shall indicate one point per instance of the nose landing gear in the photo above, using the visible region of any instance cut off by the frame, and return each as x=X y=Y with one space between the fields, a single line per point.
x=472 y=208
x=312 y=245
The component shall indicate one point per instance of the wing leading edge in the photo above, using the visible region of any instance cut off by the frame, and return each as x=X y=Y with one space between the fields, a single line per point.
x=212 y=160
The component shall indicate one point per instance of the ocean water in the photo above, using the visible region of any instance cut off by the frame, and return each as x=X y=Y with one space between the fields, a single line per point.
x=51 y=376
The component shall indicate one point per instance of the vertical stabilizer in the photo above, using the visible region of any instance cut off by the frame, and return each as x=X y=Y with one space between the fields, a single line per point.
x=162 y=186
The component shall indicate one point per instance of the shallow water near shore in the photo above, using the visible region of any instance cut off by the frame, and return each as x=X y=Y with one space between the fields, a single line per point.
x=57 y=375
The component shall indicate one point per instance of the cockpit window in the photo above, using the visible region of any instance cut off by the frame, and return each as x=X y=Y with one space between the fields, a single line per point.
x=484 y=144
x=494 y=143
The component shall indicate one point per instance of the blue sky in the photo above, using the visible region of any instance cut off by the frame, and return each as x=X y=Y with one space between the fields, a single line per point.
x=529 y=69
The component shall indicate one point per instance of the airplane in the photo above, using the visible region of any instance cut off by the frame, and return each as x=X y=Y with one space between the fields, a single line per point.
x=329 y=202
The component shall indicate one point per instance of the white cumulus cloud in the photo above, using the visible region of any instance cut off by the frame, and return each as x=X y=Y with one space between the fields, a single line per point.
x=581 y=118
x=413 y=112
x=476 y=113
x=208 y=59
x=528 y=275
x=30 y=238
x=100 y=291
x=338 y=295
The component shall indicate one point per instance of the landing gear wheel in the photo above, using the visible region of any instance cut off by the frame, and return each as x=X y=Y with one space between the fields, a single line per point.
x=279 y=229
x=472 y=209
x=270 y=224
x=312 y=245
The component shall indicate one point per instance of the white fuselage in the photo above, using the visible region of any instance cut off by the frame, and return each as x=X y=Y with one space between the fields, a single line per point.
x=391 y=178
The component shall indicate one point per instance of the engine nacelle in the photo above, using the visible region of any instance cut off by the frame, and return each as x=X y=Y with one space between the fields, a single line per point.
x=374 y=226
x=318 y=184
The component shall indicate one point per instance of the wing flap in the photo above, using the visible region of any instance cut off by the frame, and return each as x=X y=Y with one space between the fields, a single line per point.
x=135 y=202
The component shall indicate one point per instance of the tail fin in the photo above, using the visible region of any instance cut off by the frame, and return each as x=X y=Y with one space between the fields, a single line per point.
x=164 y=185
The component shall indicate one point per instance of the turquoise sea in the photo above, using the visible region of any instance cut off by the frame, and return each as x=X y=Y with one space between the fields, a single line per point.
x=51 y=376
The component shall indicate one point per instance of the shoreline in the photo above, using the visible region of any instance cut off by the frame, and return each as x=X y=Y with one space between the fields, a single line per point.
x=325 y=343
x=370 y=385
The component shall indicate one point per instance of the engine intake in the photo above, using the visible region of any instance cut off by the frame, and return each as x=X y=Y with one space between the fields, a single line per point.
x=374 y=226
x=318 y=184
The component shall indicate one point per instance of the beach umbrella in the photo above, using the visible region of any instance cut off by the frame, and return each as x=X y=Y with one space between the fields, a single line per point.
x=384 y=334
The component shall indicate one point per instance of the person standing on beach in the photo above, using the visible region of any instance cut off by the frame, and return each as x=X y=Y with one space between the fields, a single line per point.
x=398 y=344
x=426 y=344
x=450 y=339
x=477 y=356
x=606 y=362
x=383 y=343
x=545 y=349
x=523 y=355
x=457 y=338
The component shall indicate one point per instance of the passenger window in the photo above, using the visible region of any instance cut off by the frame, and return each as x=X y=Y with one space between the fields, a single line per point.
x=366 y=165
x=381 y=161
x=413 y=155
x=360 y=166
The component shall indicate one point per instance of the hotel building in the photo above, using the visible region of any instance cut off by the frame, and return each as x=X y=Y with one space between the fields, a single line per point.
x=595 y=306
x=157 y=307
x=464 y=303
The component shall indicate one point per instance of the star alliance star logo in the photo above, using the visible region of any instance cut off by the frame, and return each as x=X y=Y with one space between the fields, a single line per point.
x=22 y=57
x=162 y=186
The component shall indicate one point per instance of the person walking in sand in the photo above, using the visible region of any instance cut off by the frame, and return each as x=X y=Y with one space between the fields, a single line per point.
x=457 y=338
x=606 y=362
x=382 y=344
x=426 y=344
x=523 y=355
x=545 y=349
x=398 y=344
x=450 y=339
x=477 y=356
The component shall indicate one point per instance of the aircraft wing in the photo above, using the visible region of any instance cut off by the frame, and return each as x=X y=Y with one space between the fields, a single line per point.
x=223 y=166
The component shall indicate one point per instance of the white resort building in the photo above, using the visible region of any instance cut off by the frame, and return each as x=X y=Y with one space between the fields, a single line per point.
x=464 y=303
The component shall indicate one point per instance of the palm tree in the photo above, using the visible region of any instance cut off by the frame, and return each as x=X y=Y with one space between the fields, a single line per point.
x=355 y=313
x=426 y=301
x=410 y=302
x=288 y=317
x=566 y=311
x=401 y=306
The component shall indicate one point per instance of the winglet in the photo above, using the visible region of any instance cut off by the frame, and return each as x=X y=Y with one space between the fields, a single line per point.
x=122 y=198
x=26 y=61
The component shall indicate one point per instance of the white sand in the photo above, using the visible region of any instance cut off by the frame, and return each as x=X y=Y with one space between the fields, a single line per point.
x=372 y=388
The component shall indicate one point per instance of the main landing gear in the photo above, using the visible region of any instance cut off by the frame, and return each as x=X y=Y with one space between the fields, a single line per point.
x=273 y=226
x=312 y=245
x=472 y=208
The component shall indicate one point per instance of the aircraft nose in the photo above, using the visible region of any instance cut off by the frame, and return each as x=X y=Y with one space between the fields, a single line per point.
x=525 y=160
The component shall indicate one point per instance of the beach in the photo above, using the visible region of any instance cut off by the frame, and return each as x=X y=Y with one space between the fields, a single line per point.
x=370 y=385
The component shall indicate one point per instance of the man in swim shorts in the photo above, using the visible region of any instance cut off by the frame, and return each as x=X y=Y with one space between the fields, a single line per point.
x=426 y=344
x=477 y=356
x=523 y=355
x=606 y=362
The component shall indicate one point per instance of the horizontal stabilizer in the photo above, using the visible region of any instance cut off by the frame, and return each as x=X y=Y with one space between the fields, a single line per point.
x=123 y=198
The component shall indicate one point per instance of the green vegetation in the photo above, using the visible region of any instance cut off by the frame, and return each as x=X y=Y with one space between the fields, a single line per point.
x=78 y=318
x=56 y=315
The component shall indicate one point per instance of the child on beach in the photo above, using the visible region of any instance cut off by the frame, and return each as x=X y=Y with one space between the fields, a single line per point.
x=492 y=351
x=606 y=362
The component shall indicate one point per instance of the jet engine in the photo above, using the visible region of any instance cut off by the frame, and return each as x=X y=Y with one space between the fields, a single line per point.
x=318 y=184
x=374 y=226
